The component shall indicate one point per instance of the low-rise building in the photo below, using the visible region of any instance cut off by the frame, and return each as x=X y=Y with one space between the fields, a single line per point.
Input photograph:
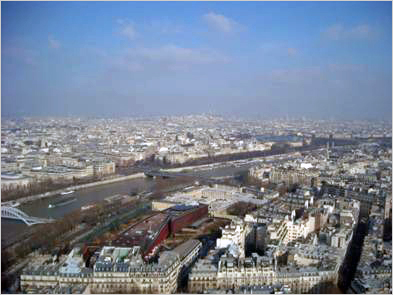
x=233 y=273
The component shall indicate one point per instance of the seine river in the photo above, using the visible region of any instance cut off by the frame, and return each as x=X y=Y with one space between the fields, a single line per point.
x=10 y=228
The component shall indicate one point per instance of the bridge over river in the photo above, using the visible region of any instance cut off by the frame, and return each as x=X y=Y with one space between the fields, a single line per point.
x=14 y=213
x=166 y=174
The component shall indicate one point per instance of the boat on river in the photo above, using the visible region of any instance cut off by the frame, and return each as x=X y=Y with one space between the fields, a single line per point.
x=67 y=193
x=62 y=202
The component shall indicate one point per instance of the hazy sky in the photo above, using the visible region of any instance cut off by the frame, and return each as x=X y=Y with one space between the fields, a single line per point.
x=315 y=59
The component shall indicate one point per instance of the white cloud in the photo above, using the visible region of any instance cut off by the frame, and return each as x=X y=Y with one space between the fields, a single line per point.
x=127 y=29
x=221 y=23
x=169 y=57
x=339 y=32
x=177 y=54
x=53 y=43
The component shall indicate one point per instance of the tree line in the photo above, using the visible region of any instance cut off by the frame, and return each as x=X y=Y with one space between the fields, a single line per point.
x=55 y=236
x=38 y=186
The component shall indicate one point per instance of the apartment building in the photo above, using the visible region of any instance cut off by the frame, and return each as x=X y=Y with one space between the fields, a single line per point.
x=116 y=270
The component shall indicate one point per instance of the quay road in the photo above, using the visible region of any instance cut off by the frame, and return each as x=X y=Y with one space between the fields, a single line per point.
x=196 y=176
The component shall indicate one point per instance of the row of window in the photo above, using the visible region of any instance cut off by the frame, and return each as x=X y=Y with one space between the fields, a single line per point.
x=127 y=287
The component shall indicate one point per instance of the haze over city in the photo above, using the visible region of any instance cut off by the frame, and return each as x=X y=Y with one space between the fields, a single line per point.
x=253 y=59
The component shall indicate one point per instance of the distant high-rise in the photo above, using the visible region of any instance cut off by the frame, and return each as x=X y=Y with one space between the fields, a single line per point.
x=331 y=141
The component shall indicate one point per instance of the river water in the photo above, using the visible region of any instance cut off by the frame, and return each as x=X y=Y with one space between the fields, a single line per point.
x=10 y=229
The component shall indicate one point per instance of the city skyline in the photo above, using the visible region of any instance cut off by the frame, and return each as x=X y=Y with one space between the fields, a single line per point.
x=256 y=59
x=152 y=205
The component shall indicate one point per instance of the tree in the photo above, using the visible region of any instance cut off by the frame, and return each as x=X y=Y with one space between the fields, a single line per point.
x=6 y=260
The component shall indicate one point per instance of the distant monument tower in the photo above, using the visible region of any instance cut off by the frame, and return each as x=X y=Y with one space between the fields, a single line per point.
x=327 y=150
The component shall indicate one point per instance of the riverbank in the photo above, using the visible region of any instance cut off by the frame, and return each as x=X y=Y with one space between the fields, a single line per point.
x=141 y=175
x=24 y=200
x=239 y=163
x=78 y=187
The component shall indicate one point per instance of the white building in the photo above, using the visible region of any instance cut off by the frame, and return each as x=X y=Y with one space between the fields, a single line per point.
x=234 y=237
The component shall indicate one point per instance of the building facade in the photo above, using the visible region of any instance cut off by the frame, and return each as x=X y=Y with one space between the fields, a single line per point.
x=116 y=270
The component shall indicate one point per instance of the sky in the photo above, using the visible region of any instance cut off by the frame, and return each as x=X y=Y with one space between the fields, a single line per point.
x=250 y=59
